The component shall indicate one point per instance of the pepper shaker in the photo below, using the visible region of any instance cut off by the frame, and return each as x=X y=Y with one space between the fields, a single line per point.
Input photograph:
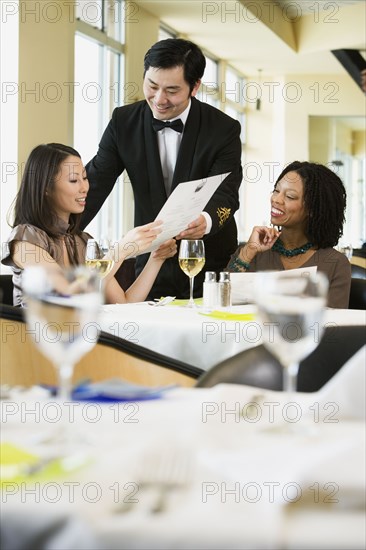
x=224 y=289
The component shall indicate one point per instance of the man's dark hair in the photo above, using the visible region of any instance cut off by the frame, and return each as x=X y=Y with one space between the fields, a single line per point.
x=176 y=52
x=325 y=202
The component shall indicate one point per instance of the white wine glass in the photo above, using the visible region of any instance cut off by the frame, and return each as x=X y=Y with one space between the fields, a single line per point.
x=191 y=261
x=99 y=258
x=64 y=327
x=291 y=308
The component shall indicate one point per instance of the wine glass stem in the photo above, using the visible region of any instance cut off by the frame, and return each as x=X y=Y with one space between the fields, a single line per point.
x=191 y=283
x=290 y=378
x=65 y=371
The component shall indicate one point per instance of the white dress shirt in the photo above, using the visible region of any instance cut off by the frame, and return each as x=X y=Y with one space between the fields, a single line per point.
x=169 y=142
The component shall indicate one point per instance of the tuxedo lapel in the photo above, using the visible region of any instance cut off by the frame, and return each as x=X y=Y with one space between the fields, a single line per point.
x=187 y=147
x=156 y=181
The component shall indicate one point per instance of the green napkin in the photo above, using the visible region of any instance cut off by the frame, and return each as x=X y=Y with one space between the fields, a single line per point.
x=216 y=314
x=18 y=465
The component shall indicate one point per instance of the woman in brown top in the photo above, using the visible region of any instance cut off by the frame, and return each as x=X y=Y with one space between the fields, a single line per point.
x=307 y=212
x=46 y=232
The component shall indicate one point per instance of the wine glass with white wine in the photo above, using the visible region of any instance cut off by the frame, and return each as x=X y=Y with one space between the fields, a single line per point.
x=191 y=261
x=99 y=258
x=291 y=308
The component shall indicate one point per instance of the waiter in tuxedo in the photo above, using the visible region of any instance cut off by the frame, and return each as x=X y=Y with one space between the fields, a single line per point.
x=164 y=140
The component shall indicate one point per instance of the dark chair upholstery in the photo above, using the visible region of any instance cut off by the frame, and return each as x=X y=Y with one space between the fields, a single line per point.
x=6 y=289
x=358 y=272
x=359 y=252
x=357 y=297
x=257 y=367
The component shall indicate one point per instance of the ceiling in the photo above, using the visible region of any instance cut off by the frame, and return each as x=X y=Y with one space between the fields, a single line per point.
x=279 y=37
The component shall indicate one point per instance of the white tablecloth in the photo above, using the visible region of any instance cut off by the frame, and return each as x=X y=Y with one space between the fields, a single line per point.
x=192 y=337
x=250 y=487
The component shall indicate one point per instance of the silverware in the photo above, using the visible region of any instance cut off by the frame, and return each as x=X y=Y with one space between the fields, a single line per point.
x=157 y=477
x=174 y=474
x=162 y=302
x=14 y=470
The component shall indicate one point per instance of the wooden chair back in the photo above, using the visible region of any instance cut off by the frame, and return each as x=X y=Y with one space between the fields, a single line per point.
x=21 y=363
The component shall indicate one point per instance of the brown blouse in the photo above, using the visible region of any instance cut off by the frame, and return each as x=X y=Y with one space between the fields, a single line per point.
x=75 y=246
x=328 y=260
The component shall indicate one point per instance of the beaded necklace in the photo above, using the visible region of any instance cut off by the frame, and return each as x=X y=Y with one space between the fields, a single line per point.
x=279 y=247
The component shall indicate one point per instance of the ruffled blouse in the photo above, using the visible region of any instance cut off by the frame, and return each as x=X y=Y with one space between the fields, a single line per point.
x=75 y=246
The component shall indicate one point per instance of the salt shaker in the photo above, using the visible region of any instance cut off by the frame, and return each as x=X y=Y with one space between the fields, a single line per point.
x=224 y=294
x=210 y=290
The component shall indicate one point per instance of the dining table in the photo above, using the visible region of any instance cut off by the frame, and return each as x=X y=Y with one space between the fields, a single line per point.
x=198 y=336
x=231 y=466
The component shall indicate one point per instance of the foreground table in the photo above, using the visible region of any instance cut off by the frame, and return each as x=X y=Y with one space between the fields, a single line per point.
x=194 y=337
x=248 y=487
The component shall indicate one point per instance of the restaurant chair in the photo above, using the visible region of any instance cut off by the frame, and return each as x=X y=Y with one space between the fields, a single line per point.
x=357 y=296
x=6 y=289
x=358 y=260
x=257 y=367
x=358 y=272
x=21 y=363
x=357 y=299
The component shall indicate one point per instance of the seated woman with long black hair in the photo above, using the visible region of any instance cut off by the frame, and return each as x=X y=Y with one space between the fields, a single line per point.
x=46 y=232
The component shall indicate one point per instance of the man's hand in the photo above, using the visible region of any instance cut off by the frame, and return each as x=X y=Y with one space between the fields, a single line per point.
x=165 y=250
x=195 y=229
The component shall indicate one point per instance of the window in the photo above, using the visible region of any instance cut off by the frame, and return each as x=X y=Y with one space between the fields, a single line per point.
x=233 y=98
x=232 y=102
x=9 y=55
x=209 y=90
x=98 y=84
x=91 y=13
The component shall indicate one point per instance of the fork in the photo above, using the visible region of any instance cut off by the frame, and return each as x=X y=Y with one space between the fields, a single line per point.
x=174 y=473
x=162 y=302
x=162 y=473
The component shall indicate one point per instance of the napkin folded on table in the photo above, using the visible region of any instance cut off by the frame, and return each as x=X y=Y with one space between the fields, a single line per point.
x=197 y=301
x=229 y=316
x=18 y=464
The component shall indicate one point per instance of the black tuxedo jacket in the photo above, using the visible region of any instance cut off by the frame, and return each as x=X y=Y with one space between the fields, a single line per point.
x=210 y=145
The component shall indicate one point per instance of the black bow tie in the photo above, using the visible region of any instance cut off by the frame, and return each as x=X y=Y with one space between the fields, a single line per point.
x=176 y=125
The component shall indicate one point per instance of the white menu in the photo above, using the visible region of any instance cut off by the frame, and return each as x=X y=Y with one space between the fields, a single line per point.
x=184 y=205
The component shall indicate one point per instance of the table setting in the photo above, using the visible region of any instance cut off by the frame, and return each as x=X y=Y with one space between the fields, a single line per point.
x=231 y=466
x=195 y=468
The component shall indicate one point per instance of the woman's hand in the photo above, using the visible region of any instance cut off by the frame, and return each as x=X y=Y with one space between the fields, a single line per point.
x=165 y=250
x=261 y=239
x=138 y=239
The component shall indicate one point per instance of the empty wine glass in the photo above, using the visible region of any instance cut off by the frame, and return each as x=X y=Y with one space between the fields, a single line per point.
x=98 y=257
x=63 y=327
x=191 y=261
x=291 y=307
